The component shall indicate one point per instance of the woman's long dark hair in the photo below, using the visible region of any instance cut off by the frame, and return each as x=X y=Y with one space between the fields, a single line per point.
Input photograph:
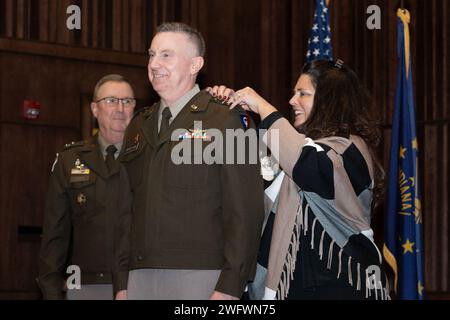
x=342 y=107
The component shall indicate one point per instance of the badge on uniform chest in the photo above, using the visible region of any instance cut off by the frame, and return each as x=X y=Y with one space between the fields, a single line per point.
x=195 y=134
x=79 y=173
x=81 y=199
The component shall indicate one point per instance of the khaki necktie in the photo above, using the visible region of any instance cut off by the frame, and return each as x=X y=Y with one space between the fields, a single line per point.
x=166 y=115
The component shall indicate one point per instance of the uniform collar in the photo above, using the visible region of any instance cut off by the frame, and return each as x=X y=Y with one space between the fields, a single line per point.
x=103 y=145
x=176 y=107
x=91 y=155
x=185 y=119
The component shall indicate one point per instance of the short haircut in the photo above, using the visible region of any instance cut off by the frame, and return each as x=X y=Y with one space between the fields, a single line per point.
x=194 y=35
x=109 y=78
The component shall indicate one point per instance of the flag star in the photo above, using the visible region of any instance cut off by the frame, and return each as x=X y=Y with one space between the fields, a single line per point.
x=408 y=246
x=402 y=152
x=420 y=288
x=308 y=54
x=327 y=40
x=322 y=16
x=316 y=52
x=414 y=144
x=316 y=39
x=315 y=27
x=325 y=10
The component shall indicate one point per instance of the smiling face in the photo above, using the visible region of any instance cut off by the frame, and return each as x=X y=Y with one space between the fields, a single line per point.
x=173 y=65
x=113 y=119
x=302 y=100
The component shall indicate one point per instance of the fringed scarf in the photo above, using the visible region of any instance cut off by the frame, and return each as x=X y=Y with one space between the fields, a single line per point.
x=290 y=221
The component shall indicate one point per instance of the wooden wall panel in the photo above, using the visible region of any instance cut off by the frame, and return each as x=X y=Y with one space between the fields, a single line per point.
x=23 y=186
x=219 y=36
x=58 y=104
x=43 y=20
x=126 y=21
x=53 y=18
x=136 y=10
x=9 y=18
x=63 y=85
x=121 y=25
x=276 y=52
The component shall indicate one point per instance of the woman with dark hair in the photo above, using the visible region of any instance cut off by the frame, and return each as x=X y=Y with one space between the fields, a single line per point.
x=320 y=239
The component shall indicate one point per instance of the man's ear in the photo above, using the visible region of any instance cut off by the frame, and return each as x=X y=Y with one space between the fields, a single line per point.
x=94 y=109
x=197 y=64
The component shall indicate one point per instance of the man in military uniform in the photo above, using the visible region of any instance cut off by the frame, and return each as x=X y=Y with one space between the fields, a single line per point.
x=195 y=228
x=88 y=203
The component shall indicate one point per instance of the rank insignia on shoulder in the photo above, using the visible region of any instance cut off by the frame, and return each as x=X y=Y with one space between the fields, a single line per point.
x=135 y=142
x=73 y=144
x=144 y=111
x=136 y=139
x=218 y=101
x=81 y=199
x=245 y=120
x=133 y=148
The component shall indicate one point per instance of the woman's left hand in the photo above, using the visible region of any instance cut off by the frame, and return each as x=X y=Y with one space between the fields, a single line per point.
x=249 y=100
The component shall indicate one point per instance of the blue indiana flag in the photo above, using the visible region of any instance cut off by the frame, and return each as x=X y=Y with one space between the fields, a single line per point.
x=319 y=43
x=403 y=247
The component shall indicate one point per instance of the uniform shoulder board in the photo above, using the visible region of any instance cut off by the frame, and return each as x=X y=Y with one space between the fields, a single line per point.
x=218 y=101
x=146 y=111
x=71 y=145
x=138 y=112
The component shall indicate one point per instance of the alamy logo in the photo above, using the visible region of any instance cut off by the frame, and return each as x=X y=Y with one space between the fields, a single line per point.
x=374 y=20
x=74 y=280
x=373 y=277
x=74 y=20
x=212 y=146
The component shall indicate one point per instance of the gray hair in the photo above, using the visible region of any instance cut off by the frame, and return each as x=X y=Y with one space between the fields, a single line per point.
x=109 y=78
x=194 y=35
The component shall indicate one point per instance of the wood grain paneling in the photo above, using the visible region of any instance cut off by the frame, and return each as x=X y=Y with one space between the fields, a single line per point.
x=62 y=80
x=9 y=18
x=23 y=186
x=121 y=25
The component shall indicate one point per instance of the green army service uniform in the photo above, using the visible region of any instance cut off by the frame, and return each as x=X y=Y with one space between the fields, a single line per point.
x=87 y=206
x=192 y=216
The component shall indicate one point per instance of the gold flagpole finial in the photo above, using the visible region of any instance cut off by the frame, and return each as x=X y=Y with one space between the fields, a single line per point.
x=403 y=14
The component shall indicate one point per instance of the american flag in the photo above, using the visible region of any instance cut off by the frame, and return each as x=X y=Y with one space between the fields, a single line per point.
x=319 y=43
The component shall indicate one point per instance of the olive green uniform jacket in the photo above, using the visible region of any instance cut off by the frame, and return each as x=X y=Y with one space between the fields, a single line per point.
x=84 y=221
x=193 y=216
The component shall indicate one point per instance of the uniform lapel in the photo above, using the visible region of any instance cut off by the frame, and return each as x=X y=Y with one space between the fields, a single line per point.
x=91 y=156
x=150 y=126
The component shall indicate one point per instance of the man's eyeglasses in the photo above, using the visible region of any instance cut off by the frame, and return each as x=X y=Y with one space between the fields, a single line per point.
x=113 y=101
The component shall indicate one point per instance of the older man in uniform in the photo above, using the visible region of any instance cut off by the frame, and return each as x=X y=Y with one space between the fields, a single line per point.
x=195 y=227
x=88 y=203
